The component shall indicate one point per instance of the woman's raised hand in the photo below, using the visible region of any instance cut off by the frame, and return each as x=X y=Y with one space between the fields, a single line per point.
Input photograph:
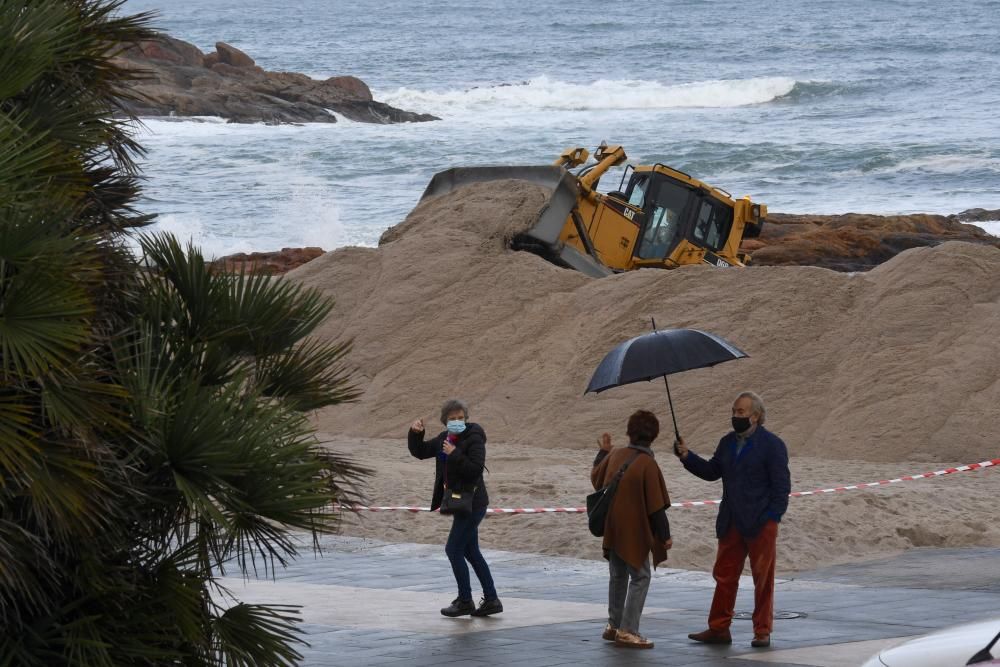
x=417 y=426
x=604 y=442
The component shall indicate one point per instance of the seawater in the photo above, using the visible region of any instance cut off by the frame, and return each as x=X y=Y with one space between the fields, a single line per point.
x=809 y=107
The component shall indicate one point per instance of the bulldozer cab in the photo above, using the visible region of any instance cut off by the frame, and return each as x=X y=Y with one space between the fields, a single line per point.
x=675 y=214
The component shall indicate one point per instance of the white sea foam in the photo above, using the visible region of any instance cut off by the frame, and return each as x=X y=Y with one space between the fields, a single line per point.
x=991 y=226
x=543 y=93
x=189 y=228
x=298 y=214
x=943 y=164
x=341 y=118
x=310 y=215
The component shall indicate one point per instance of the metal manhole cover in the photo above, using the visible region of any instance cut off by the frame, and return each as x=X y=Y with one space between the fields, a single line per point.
x=782 y=615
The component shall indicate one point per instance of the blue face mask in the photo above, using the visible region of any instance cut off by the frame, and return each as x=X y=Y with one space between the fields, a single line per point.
x=456 y=425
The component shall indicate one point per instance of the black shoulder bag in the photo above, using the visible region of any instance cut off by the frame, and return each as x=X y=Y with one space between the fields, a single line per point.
x=457 y=502
x=599 y=502
x=454 y=501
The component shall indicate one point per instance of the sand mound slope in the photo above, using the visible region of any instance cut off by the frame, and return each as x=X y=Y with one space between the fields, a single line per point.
x=900 y=363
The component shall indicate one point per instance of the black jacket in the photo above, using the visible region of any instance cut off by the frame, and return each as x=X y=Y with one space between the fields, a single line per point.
x=755 y=484
x=464 y=465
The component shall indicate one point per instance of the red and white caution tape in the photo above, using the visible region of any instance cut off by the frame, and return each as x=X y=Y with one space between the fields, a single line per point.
x=696 y=503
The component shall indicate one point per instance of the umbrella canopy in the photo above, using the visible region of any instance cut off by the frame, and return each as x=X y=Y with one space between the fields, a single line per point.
x=660 y=353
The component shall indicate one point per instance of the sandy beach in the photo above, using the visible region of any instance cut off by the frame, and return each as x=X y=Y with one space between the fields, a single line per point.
x=950 y=511
x=866 y=376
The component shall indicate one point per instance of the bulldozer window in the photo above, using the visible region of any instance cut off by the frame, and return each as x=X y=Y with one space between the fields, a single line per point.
x=637 y=191
x=711 y=229
x=660 y=234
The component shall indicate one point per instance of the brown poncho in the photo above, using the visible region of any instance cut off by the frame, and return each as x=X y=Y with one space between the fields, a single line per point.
x=641 y=492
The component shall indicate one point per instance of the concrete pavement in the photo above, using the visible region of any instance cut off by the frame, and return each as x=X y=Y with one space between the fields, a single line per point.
x=371 y=603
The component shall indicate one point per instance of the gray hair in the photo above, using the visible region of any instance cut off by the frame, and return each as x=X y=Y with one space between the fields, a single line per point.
x=450 y=406
x=756 y=403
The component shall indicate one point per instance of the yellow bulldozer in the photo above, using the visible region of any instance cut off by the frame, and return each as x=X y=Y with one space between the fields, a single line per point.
x=659 y=217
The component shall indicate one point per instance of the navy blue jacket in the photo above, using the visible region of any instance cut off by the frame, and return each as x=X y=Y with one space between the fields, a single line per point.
x=755 y=485
x=463 y=467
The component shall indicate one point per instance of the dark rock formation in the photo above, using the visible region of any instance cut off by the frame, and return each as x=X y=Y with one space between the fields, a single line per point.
x=271 y=263
x=857 y=241
x=977 y=215
x=177 y=79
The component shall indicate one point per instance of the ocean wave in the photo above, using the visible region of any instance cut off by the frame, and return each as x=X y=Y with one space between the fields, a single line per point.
x=989 y=226
x=286 y=207
x=543 y=93
x=810 y=90
x=941 y=164
x=188 y=228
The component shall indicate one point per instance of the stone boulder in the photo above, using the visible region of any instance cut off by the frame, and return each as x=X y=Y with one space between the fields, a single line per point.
x=177 y=79
x=271 y=263
x=978 y=215
x=165 y=51
x=854 y=241
x=232 y=56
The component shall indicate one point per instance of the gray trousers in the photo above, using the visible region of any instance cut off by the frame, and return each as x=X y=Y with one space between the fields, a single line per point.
x=626 y=593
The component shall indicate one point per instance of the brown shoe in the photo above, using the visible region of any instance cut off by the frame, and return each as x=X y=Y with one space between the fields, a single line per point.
x=761 y=641
x=610 y=632
x=711 y=636
x=632 y=640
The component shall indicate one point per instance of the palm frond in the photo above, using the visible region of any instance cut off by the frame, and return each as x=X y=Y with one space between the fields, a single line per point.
x=19 y=433
x=45 y=305
x=310 y=376
x=249 y=635
x=31 y=41
x=272 y=314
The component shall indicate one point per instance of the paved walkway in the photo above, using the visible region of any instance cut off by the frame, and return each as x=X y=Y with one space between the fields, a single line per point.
x=370 y=603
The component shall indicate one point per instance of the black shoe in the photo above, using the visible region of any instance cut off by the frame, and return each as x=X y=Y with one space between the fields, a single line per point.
x=488 y=607
x=711 y=636
x=459 y=607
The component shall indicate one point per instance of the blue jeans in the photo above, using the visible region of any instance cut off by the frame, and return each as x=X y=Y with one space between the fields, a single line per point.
x=626 y=593
x=463 y=544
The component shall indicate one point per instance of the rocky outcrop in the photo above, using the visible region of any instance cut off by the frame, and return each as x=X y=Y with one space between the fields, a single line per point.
x=271 y=263
x=850 y=242
x=978 y=215
x=857 y=241
x=174 y=78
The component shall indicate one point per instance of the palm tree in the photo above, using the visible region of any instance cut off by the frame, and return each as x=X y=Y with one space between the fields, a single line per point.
x=153 y=430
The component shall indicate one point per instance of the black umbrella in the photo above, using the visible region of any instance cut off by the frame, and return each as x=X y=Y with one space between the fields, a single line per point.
x=661 y=353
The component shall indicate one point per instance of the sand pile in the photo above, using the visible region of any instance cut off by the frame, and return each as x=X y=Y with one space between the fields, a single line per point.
x=899 y=363
x=866 y=376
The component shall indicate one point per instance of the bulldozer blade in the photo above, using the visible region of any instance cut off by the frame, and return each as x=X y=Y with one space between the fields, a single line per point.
x=552 y=217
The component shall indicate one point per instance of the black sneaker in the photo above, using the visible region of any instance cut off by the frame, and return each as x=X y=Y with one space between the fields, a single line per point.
x=488 y=607
x=459 y=607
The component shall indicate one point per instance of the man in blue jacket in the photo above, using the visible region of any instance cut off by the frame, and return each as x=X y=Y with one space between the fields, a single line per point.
x=753 y=465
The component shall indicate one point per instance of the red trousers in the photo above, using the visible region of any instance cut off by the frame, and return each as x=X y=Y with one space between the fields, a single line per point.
x=733 y=551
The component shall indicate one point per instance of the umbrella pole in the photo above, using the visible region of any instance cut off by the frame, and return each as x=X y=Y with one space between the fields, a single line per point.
x=677 y=433
x=671 y=402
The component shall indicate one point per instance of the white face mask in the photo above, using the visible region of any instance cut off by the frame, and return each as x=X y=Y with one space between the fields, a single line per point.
x=456 y=426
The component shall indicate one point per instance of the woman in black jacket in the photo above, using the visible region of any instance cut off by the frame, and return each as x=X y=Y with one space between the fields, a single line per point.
x=460 y=452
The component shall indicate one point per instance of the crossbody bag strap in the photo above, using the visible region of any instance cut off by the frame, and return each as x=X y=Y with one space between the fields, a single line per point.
x=621 y=471
x=444 y=462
